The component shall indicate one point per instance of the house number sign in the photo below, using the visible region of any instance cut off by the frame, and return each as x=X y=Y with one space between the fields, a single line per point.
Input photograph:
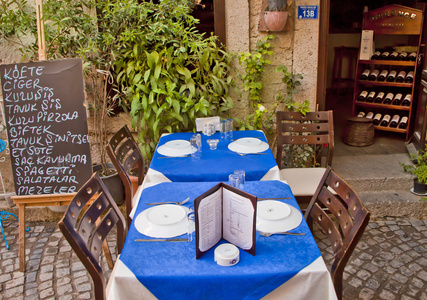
x=308 y=11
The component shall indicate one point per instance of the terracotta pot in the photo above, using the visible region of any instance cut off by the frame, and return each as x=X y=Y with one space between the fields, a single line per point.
x=113 y=183
x=275 y=20
x=420 y=188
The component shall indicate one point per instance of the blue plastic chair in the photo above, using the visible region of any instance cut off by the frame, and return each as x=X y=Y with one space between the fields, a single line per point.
x=4 y=215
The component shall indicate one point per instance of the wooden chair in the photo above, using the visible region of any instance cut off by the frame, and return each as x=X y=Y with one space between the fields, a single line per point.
x=294 y=130
x=91 y=215
x=129 y=163
x=344 y=224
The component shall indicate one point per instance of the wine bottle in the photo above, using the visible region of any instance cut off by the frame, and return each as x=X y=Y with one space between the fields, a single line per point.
x=412 y=56
x=362 y=96
x=370 y=115
x=403 y=123
x=380 y=97
x=401 y=76
x=403 y=56
x=377 y=119
x=376 y=55
x=394 y=121
x=409 y=77
x=407 y=100
x=374 y=75
x=385 y=120
x=365 y=74
x=370 y=97
x=397 y=99
x=361 y=114
x=394 y=55
x=391 y=76
x=383 y=75
x=385 y=55
x=388 y=99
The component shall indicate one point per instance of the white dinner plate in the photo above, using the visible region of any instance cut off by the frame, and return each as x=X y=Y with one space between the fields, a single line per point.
x=250 y=147
x=177 y=144
x=248 y=142
x=276 y=216
x=175 y=148
x=163 y=221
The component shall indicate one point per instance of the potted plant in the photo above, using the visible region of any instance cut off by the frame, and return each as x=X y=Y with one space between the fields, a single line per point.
x=276 y=15
x=419 y=170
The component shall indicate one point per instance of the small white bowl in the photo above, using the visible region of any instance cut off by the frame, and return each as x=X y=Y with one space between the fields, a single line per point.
x=226 y=255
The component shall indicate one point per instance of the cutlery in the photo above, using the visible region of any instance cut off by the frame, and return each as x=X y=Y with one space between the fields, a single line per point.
x=162 y=240
x=174 y=156
x=170 y=202
x=273 y=198
x=283 y=232
x=243 y=154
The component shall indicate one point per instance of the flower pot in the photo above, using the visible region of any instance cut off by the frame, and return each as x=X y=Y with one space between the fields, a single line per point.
x=275 y=20
x=113 y=183
x=420 y=188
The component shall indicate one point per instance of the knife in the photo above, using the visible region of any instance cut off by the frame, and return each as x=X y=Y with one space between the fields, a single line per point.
x=162 y=240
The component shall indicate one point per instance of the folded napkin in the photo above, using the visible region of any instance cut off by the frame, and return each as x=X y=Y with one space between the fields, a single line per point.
x=201 y=121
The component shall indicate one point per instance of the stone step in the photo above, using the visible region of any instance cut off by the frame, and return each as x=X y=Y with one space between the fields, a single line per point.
x=394 y=203
x=374 y=172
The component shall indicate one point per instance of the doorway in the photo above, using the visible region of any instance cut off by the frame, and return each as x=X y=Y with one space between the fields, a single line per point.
x=344 y=34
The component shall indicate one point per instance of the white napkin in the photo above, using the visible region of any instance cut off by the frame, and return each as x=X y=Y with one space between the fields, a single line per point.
x=201 y=121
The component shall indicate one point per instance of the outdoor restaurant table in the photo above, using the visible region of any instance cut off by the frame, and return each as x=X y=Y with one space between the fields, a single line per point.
x=214 y=165
x=284 y=266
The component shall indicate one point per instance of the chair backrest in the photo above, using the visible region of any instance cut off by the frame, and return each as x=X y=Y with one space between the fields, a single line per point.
x=315 y=128
x=89 y=218
x=127 y=159
x=341 y=216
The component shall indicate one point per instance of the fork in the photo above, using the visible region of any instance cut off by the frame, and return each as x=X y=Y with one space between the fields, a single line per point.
x=243 y=154
x=283 y=232
x=170 y=202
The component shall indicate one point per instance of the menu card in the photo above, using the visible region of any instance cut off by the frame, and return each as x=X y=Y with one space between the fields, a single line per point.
x=225 y=212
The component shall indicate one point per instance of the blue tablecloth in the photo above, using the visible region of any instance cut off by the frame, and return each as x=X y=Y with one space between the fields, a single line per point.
x=215 y=165
x=170 y=270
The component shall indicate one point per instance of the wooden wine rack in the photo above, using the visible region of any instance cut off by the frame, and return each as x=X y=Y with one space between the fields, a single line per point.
x=386 y=22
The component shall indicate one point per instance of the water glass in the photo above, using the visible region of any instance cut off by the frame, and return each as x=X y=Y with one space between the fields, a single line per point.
x=241 y=174
x=229 y=129
x=234 y=180
x=208 y=129
x=191 y=227
x=196 y=150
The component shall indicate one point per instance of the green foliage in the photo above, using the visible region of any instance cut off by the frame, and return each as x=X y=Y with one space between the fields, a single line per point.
x=171 y=74
x=419 y=169
x=165 y=73
x=254 y=66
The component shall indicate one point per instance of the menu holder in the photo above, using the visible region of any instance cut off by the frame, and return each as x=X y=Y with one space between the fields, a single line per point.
x=225 y=212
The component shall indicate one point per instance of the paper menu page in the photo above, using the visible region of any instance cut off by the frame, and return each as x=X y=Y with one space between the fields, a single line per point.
x=238 y=216
x=210 y=220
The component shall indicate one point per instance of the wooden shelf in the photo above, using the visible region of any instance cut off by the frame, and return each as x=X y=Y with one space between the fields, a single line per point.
x=384 y=106
x=385 y=83
x=401 y=63
x=383 y=128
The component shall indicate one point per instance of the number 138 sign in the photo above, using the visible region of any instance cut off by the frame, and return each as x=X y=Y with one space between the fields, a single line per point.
x=308 y=11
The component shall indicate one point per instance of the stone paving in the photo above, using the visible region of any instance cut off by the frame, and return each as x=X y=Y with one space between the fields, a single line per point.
x=390 y=262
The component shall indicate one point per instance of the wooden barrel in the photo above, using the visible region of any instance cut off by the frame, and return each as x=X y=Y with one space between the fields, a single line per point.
x=359 y=132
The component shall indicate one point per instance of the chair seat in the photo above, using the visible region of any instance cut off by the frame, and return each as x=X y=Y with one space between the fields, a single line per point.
x=303 y=181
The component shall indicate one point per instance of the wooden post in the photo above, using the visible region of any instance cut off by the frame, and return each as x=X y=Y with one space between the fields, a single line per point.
x=40 y=30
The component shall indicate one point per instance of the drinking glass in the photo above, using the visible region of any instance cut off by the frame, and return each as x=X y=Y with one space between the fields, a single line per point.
x=196 y=150
x=191 y=227
x=234 y=180
x=241 y=174
x=208 y=129
x=229 y=129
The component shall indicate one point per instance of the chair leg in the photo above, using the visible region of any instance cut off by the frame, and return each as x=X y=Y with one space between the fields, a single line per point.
x=107 y=254
x=3 y=216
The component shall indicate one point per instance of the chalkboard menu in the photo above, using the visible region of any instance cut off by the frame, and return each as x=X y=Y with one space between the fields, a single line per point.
x=47 y=126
